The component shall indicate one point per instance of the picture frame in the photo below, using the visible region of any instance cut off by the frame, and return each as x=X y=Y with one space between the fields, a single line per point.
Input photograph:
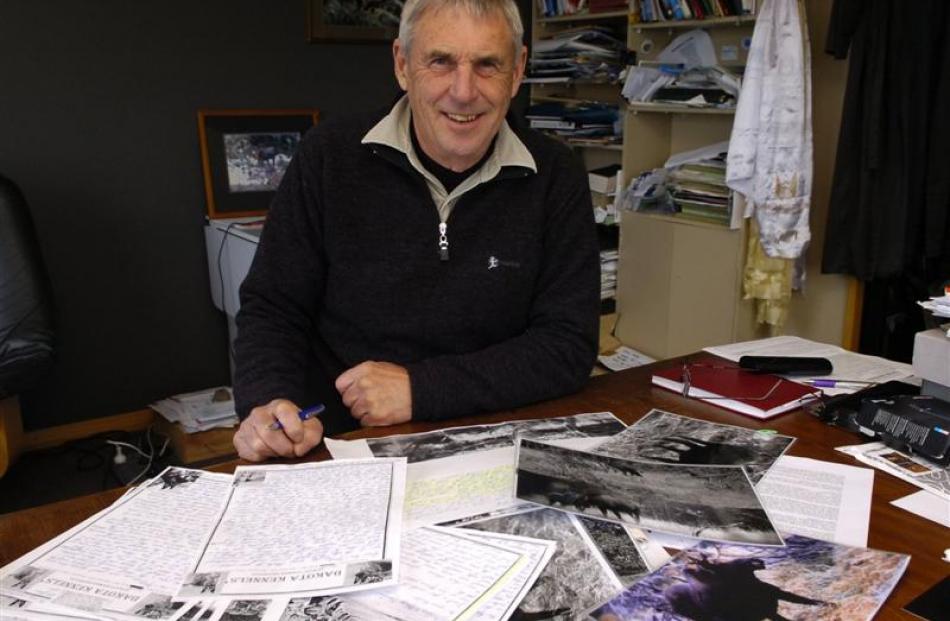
x=244 y=154
x=353 y=21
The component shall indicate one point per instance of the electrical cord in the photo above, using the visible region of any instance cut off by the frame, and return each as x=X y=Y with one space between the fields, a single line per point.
x=224 y=298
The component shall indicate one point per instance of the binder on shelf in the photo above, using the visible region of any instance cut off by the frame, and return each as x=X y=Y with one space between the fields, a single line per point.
x=722 y=383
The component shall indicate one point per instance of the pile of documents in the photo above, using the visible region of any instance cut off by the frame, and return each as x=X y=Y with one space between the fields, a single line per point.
x=939 y=306
x=201 y=410
x=692 y=183
x=685 y=73
x=573 y=122
x=589 y=54
x=608 y=273
x=697 y=184
x=535 y=519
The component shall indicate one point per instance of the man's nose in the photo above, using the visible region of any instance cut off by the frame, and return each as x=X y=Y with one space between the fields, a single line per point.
x=463 y=83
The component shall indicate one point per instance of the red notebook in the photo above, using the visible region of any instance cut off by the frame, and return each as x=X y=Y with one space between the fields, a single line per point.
x=724 y=384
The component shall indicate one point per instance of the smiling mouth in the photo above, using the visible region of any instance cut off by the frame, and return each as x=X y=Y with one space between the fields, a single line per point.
x=461 y=118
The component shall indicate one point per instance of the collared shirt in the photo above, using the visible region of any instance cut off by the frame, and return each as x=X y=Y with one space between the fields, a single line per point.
x=393 y=131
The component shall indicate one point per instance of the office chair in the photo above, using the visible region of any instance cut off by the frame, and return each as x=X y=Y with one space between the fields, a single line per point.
x=26 y=315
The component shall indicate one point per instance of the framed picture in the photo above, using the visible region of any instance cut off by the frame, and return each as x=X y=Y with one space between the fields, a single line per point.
x=353 y=21
x=244 y=154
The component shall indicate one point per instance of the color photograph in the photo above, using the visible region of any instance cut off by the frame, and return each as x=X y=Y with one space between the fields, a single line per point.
x=806 y=579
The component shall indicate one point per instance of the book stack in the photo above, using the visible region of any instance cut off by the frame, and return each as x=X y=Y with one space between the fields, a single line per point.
x=699 y=190
x=677 y=10
x=586 y=122
x=608 y=274
x=589 y=54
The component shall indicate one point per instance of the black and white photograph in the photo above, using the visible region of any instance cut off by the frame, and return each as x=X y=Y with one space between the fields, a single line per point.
x=321 y=608
x=157 y=607
x=617 y=548
x=448 y=442
x=354 y=20
x=200 y=584
x=22 y=577
x=256 y=162
x=806 y=579
x=671 y=438
x=245 y=610
x=175 y=477
x=250 y=476
x=573 y=580
x=369 y=572
x=707 y=502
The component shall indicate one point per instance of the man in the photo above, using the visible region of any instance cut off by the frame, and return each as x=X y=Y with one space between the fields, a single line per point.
x=426 y=262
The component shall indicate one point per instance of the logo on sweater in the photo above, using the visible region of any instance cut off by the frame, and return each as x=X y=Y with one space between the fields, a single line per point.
x=495 y=262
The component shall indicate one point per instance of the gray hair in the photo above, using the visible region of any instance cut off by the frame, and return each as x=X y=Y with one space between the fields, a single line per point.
x=412 y=11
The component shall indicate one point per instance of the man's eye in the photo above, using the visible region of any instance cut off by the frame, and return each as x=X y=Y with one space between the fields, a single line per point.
x=440 y=63
x=487 y=67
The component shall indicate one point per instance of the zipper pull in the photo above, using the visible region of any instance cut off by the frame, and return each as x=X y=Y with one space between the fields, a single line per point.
x=443 y=242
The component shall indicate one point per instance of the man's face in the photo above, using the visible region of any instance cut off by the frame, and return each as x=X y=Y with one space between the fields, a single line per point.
x=460 y=74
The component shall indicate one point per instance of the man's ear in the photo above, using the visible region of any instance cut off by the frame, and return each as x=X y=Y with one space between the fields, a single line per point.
x=400 y=63
x=520 y=63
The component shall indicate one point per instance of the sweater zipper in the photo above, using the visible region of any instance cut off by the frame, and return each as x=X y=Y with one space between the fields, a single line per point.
x=443 y=241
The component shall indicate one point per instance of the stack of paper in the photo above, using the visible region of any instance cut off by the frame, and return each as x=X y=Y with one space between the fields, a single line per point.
x=590 y=54
x=691 y=183
x=201 y=410
x=577 y=121
x=685 y=73
x=939 y=306
x=608 y=274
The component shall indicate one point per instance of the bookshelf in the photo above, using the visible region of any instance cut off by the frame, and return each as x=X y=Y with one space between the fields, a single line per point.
x=594 y=153
x=680 y=278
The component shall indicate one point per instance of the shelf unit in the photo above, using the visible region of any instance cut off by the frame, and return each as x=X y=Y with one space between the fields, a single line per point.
x=593 y=153
x=679 y=278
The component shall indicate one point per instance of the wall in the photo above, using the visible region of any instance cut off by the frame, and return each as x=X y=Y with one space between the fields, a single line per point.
x=97 y=126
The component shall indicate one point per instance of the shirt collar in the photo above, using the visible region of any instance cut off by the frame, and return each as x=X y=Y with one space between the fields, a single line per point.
x=393 y=131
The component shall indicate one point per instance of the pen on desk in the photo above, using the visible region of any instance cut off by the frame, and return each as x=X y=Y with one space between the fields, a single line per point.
x=833 y=383
x=304 y=414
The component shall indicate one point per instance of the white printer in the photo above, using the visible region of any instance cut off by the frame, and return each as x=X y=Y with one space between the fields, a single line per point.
x=230 y=244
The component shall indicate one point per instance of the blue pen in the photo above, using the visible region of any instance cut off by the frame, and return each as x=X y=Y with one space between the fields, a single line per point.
x=832 y=383
x=304 y=414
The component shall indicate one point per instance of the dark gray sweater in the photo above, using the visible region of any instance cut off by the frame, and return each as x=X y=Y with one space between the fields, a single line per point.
x=348 y=270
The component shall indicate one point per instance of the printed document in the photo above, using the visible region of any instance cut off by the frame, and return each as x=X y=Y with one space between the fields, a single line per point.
x=819 y=499
x=912 y=469
x=847 y=365
x=310 y=528
x=927 y=505
x=462 y=471
x=445 y=575
x=129 y=558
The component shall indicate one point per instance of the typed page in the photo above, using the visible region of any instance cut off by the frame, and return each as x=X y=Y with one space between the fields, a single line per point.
x=130 y=556
x=313 y=528
x=444 y=575
x=819 y=499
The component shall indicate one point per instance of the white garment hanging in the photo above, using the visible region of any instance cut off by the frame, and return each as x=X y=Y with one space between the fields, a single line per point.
x=770 y=151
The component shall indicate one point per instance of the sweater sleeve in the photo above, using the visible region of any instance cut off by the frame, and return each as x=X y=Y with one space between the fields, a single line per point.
x=281 y=294
x=555 y=353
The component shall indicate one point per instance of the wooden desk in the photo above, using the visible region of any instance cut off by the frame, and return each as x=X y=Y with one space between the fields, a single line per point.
x=629 y=395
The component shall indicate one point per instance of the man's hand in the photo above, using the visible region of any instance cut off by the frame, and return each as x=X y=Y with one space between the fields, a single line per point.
x=260 y=437
x=377 y=393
